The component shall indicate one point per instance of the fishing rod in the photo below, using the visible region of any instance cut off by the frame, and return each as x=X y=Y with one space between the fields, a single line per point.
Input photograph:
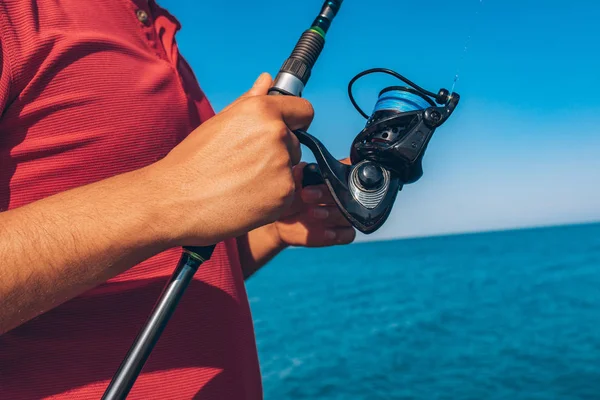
x=291 y=80
x=386 y=155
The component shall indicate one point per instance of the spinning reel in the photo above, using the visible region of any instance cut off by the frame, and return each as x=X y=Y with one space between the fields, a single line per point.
x=386 y=155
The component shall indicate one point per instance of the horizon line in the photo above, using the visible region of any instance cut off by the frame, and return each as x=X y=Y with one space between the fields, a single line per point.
x=483 y=231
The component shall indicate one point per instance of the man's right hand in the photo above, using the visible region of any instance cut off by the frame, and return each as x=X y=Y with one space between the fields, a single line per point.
x=233 y=173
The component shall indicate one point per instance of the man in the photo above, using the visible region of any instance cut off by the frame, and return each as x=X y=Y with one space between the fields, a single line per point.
x=110 y=160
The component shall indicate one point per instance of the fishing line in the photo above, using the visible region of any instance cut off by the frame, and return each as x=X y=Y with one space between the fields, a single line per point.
x=470 y=31
x=412 y=97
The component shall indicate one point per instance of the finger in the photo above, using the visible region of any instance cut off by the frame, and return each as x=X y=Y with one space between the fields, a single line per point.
x=317 y=218
x=331 y=237
x=302 y=233
x=329 y=216
x=297 y=113
x=293 y=146
x=313 y=194
x=342 y=235
x=318 y=194
x=297 y=205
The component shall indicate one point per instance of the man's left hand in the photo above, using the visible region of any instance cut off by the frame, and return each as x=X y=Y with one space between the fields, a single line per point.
x=313 y=220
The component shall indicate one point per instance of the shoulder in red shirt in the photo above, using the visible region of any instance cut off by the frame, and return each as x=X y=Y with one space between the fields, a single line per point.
x=88 y=91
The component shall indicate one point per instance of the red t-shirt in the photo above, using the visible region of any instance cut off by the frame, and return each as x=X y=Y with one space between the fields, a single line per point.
x=88 y=90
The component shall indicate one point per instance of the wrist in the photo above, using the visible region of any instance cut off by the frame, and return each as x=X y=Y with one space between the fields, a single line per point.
x=258 y=247
x=155 y=208
x=272 y=232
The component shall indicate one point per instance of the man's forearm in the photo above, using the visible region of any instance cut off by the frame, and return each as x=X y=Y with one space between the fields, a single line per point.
x=258 y=247
x=55 y=249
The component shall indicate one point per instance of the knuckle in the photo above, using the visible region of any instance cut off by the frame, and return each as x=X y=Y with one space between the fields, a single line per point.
x=245 y=104
x=257 y=104
x=278 y=129
x=310 y=111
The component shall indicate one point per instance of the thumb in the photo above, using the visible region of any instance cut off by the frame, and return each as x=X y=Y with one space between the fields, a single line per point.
x=261 y=86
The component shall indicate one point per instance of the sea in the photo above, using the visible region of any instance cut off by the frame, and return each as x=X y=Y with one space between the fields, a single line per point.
x=501 y=315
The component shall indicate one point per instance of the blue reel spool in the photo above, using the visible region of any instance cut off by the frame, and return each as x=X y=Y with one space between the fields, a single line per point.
x=401 y=99
x=396 y=100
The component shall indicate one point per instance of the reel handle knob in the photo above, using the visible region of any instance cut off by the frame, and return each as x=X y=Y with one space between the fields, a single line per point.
x=370 y=176
x=311 y=175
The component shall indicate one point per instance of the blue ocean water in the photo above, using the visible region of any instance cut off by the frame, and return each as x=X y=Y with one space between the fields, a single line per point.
x=505 y=315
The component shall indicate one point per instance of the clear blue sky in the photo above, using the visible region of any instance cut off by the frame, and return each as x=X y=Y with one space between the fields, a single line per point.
x=523 y=149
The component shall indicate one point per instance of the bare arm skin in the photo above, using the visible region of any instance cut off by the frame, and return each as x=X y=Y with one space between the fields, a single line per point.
x=61 y=246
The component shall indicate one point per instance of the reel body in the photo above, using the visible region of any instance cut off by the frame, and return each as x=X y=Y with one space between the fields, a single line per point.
x=386 y=155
